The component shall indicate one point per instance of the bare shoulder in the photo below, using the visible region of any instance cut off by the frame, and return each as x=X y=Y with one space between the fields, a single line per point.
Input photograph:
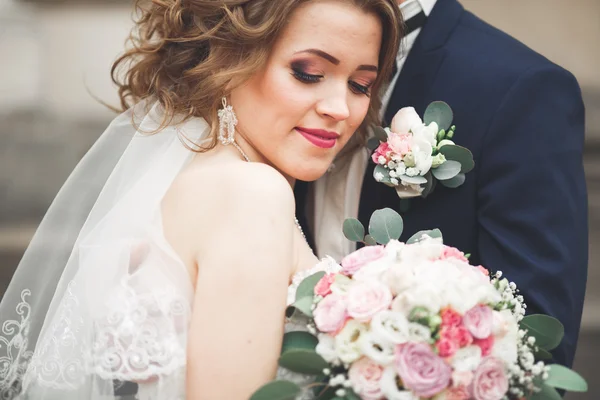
x=248 y=202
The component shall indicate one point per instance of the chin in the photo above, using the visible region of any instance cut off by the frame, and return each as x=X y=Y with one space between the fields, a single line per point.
x=310 y=174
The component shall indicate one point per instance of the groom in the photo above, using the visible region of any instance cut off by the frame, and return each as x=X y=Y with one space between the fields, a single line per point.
x=523 y=209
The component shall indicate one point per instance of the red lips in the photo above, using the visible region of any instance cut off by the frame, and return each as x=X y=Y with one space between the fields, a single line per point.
x=319 y=137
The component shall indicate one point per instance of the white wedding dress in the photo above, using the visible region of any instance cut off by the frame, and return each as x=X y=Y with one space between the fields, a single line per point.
x=115 y=308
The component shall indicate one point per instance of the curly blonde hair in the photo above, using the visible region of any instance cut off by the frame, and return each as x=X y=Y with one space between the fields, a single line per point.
x=188 y=54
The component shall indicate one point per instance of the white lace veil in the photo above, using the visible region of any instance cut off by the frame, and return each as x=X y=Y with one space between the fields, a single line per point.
x=68 y=315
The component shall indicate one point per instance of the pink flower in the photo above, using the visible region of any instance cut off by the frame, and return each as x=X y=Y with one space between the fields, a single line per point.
x=330 y=314
x=323 y=287
x=452 y=252
x=450 y=317
x=490 y=382
x=400 y=144
x=446 y=347
x=421 y=370
x=358 y=259
x=485 y=345
x=405 y=120
x=367 y=298
x=457 y=334
x=382 y=150
x=483 y=270
x=479 y=321
x=365 y=376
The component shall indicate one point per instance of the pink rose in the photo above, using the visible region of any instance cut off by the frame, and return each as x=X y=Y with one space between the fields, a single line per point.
x=485 y=345
x=450 y=317
x=330 y=314
x=382 y=150
x=358 y=259
x=489 y=381
x=365 y=376
x=323 y=287
x=421 y=370
x=446 y=347
x=367 y=298
x=479 y=321
x=452 y=252
x=405 y=120
x=457 y=334
x=400 y=144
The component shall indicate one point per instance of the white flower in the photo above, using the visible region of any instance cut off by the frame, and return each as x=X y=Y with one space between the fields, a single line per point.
x=401 y=169
x=506 y=347
x=427 y=133
x=421 y=150
x=390 y=326
x=405 y=120
x=444 y=142
x=389 y=386
x=381 y=160
x=438 y=160
x=379 y=176
x=394 y=181
x=418 y=333
x=412 y=171
x=347 y=344
x=466 y=359
x=326 y=348
x=393 y=174
x=376 y=348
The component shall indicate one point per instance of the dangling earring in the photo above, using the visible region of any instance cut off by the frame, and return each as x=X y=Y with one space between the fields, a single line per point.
x=227 y=123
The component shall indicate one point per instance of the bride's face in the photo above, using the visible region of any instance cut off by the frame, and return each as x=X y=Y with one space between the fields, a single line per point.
x=299 y=111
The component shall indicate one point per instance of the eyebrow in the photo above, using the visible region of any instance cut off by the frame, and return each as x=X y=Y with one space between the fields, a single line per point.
x=335 y=61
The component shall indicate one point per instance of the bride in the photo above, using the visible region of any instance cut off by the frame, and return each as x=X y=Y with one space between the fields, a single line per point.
x=166 y=259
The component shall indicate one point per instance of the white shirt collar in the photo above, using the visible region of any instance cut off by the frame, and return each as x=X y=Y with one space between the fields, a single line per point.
x=411 y=8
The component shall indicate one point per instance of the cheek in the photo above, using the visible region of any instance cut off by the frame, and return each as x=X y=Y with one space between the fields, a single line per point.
x=282 y=94
x=359 y=106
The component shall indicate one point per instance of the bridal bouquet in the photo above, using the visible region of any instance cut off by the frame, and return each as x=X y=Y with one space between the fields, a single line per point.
x=412 y=155
x=408 y=321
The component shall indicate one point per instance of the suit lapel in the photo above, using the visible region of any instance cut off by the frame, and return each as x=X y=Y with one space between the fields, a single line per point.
x=412 y=89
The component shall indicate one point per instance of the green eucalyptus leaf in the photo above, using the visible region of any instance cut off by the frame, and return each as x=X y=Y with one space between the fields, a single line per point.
x=304 y=305
x=546 y=393
x=380 y=169
x=386 y=225
x=429 y=185
x=548 y=331
x=454 y=182
x=380 y=134
x=307 y=286
x=434 y=233
x=277 y=390
x=353 y=230
x=298 y=340
x=460 y=154
x=369 y=241
x=303 y=361
x=448 y=170
x=373 y=143
x=415 y=180
x=440 y=113
x=561 y=377
x=542 y=355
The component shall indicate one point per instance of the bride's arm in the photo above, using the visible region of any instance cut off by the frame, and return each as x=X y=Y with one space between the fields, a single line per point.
x=244 y=265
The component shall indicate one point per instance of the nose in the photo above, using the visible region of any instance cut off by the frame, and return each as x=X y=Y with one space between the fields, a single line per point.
x=334 y=105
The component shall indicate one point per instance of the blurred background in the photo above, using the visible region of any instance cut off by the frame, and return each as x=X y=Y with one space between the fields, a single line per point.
x=54 y=53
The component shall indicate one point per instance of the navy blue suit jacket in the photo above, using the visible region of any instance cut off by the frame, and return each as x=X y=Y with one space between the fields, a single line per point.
x=523 y=209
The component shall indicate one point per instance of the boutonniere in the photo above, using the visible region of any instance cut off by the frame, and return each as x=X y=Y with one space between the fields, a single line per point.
x=412 y=155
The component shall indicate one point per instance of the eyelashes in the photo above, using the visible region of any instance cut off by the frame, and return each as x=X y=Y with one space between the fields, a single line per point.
x=307 y=78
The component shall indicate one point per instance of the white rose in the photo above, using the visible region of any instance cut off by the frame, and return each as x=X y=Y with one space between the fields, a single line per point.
x=421 y=151
x=405 y=120
x=389 y=386
x=347 y=342
x=326 y=348
x=506 y=347
x=466 y=359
